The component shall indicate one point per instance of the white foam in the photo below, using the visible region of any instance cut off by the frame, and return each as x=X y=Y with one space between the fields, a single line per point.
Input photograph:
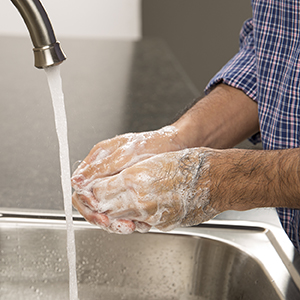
x=161 y=185
x=127 y=195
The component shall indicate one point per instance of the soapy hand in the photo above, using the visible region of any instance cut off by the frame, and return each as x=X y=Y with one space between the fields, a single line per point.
x=164 y=191
x=111 y=156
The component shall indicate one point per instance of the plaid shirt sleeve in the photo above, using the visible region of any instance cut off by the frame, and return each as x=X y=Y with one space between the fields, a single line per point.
x=269 y=63
x=240 y=71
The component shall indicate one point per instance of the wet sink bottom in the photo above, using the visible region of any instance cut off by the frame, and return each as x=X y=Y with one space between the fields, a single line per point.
x=139 y=266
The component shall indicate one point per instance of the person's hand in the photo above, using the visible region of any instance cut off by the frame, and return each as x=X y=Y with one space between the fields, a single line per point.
x=111 y=156
x=164 y=191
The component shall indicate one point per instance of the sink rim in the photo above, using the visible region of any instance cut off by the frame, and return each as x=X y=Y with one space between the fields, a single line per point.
x=247 y=236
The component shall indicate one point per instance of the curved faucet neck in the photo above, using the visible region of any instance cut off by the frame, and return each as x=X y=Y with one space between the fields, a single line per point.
x=47 y=50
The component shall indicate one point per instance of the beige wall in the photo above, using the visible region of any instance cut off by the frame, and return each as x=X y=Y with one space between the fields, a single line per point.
x=88 y=18
x=203 y=34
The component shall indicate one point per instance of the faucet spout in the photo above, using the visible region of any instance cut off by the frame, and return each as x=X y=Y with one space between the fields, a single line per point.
x=47 y=50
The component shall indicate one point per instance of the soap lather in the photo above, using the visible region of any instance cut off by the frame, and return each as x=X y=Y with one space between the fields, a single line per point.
x=47 y=50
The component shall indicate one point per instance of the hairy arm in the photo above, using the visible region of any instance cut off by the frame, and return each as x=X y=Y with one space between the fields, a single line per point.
x=246 y=179
x=221 y=119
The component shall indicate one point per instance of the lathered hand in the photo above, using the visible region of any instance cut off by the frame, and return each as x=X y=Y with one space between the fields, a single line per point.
x=167 y=190
x=111 y=156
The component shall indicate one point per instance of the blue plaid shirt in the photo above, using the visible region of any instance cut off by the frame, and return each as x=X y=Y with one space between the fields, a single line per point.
x=267 y=69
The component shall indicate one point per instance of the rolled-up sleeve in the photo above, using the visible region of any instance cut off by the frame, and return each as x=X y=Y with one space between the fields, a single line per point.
x=240 y=71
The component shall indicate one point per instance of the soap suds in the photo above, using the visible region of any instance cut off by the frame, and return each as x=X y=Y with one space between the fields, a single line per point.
x=129 y=178
x=166 y=191
x=113 y=156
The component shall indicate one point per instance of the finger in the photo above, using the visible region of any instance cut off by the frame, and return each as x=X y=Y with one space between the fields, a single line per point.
x=85 y=170
x=87 y=198
x=91 y=216
x=113 y=164
x=101 y=220
x=105 y=148
x=102 y=167
x=122 y=226
x=142 y=226
x=124 y=214
x=100 y=151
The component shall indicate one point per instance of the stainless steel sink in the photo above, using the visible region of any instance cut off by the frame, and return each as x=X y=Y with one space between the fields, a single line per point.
x=215 y=261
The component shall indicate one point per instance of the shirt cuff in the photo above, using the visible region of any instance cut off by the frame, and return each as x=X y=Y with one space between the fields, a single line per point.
x=239 y=72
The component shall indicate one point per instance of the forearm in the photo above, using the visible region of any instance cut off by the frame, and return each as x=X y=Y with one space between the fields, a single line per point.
x=245 y=179
x=222 y=119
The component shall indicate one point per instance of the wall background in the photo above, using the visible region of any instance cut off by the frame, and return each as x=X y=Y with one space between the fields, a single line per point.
x=202 y=34
x=88 y=18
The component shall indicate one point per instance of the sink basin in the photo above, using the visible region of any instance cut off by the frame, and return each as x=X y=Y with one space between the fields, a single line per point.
x=210 y=262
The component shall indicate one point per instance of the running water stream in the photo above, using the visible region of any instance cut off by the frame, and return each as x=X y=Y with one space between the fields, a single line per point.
x=55 y=85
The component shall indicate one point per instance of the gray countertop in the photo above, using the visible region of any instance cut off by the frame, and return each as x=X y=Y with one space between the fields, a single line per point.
x=111 y=87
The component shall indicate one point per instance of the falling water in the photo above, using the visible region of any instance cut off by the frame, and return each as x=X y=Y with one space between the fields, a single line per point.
x=55 y=85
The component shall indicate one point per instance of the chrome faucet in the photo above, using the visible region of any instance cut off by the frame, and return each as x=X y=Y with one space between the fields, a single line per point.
x=47 y=50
